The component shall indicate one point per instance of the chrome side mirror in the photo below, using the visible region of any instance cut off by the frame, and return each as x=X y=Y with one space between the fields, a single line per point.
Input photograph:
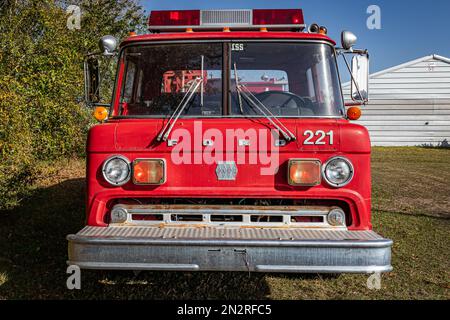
x=348 y=40
x=108 y=45
x=360 y=78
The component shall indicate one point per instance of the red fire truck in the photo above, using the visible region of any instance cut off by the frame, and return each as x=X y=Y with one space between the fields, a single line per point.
x=228 y=147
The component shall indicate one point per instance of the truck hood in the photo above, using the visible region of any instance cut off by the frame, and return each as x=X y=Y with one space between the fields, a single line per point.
x=140 y=136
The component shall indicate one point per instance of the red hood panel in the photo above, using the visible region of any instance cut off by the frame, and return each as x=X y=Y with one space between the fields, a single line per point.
x=140 y=135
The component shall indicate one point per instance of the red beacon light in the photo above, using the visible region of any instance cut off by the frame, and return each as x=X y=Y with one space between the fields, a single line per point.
x=174 y=18
x=239 y=19
x=278 y=17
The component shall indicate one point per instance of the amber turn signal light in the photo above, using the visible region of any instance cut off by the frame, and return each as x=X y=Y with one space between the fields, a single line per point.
x=323 y=30
x=100 y=114
x=354 y=113
x=149 y=171
x=304 y=173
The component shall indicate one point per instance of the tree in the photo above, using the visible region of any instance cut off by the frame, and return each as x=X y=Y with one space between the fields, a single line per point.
x=41 y=81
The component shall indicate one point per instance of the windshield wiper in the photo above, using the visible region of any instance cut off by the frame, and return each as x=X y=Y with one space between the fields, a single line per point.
x=242 y=90
x=164 y=134
x=238 y=91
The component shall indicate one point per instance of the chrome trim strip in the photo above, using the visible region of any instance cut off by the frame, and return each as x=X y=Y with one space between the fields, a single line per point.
x=135 y=266
x=324 y=269
x=348 y=244
x=231 y=25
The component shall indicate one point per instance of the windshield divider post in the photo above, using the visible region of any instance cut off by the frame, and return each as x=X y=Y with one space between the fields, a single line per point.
x=203 y=83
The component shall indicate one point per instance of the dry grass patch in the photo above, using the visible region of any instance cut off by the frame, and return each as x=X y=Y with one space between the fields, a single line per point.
x=411 y=200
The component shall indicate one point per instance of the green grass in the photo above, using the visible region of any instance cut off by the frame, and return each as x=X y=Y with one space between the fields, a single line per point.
x=411 y=206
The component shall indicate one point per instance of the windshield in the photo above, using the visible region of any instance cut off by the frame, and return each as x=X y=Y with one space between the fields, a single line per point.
x=158 y=77
x=290 y=79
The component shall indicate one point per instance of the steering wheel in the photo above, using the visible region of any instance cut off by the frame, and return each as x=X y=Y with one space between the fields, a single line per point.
x=299 y=101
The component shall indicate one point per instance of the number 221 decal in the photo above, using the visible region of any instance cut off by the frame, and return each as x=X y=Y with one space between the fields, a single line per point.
x=319 y=137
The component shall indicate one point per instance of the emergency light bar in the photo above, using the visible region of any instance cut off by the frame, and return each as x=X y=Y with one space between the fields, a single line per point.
x=241 y=19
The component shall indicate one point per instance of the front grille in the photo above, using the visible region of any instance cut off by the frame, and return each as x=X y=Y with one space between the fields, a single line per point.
x=229 y=210
x=223 y=215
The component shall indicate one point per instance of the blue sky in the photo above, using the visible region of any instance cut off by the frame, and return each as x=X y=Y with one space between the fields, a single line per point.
x=409 y=29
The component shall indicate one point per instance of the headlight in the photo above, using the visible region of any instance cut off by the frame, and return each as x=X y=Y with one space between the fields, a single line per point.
x=116 y=170
x=338 y=172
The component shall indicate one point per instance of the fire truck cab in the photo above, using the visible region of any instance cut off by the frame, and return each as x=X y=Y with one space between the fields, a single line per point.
x=228 y=147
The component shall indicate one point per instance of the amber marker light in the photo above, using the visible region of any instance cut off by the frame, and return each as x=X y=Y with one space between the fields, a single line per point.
x=100 y=114
x=304 y=173
x=354 y=113
x=149 y=171
x=323 y=30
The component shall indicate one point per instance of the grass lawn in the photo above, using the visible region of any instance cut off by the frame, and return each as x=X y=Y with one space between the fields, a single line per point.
x=411 y=206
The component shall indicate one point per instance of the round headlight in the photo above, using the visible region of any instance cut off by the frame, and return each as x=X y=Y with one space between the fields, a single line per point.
x=116 y=170
x=338 y=172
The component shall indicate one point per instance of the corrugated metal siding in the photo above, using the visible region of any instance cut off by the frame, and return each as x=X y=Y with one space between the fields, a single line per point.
x=409 y=106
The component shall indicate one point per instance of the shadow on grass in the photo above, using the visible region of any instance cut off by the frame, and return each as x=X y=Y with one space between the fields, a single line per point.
x=445 y=216
x=33 y=253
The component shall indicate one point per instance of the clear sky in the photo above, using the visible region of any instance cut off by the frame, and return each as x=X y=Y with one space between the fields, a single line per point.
x=409 y=29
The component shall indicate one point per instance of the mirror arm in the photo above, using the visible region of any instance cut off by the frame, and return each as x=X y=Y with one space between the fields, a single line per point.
x=92 y=54
x=95 y=104
x=353 y=78
x=86 y=79
x=99 y=53
x=87 y=83
x=342 y=51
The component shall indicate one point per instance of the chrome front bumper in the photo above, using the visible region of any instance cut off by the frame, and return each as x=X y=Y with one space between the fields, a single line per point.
x=230 y=249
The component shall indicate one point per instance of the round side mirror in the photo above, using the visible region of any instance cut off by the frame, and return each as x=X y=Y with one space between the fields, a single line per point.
x=108 y=45
x=348 y=40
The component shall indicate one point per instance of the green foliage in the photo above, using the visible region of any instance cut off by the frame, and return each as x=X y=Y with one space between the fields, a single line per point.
x=41 y=81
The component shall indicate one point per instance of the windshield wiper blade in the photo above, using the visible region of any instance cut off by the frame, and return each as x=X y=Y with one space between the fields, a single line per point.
x=250 y=97
x=164 y=134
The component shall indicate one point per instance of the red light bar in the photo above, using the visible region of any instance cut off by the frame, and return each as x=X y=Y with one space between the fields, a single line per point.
x=278 y=17
x=239 y=19
x=175 y=18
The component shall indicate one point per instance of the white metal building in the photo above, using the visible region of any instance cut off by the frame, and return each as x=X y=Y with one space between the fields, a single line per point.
x=409 y=104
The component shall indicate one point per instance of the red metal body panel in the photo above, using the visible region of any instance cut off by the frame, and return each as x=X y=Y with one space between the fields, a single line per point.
x=133 y=138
